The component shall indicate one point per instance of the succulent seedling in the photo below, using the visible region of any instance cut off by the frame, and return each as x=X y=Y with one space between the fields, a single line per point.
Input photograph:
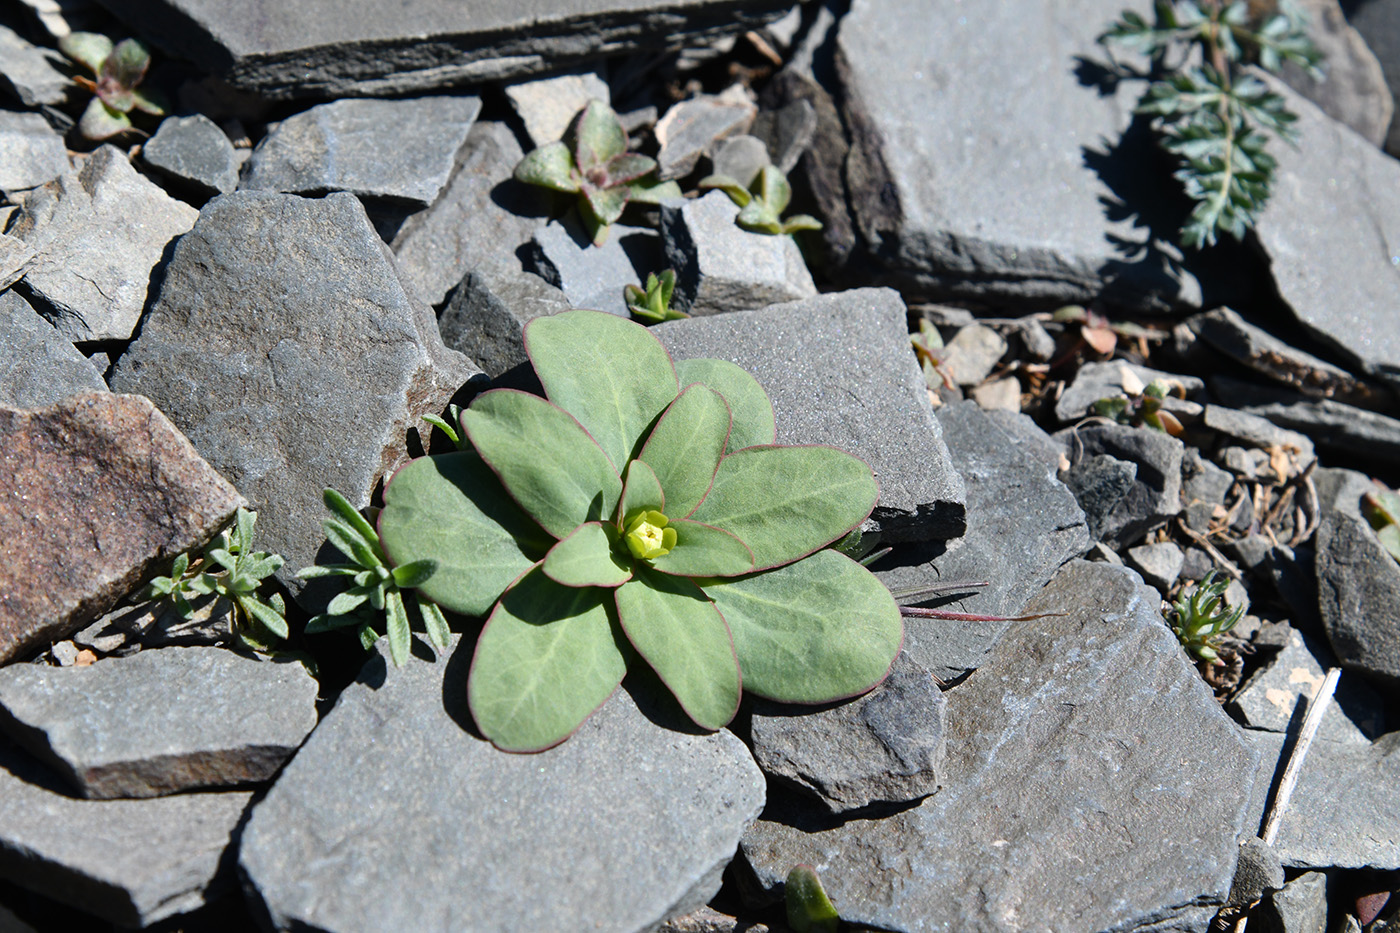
x=809 y=910
x=761 y=205
x=118 y=71
x=1142 y=405
x=1382 y=509
x=1199 y=616
x=653 y=304
x=640 y=514
x=592 y=162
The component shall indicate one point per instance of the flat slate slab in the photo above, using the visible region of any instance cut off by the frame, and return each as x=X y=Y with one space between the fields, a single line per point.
x=839 y=371
x=40 y=367
x=333 y=48
x=286 y=347
x=28 y=72
x=394 y=816
x=161 y=721
x=132 y=862
x=107 y=490
x=31 y=153
x=975 y=180
x=192 y=154
x=1085 y=740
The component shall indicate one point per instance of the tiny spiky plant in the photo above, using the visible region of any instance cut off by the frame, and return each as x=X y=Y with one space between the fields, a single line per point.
x=1199 y=616
x=761 y=205
x=118 y=71
x=653 y=304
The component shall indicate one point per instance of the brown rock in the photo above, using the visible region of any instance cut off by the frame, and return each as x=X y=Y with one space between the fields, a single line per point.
x=95 y=492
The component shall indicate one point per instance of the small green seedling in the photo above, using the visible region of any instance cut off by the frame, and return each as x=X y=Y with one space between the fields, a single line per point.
x=1101 y=334
x=1382 y=509
x=119 y=70
x=1142 y=405
x=761 y=205
x=654 y=304
x=231 y=569
x=640 y=514
x=1199 y=616
x=374 y=587
x=809 y=910
x=930 y=351
x=592 y=161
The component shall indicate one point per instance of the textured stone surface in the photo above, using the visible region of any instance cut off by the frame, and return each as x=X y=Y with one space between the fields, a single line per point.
x=1257 y=431
x=1155 y=495
x=694 y=127
x=1094 y=381
x=548 y=105
x=362 y=47
x=973 y=353
x=1100 y=484
x=1022 y=524
x=1331 y=424
x=838 y=371
x=15 y=255
x=479 y=220
x=401 y=151
x=1085 y=740
x=488 y=312
x=706 y=920
x=1159 y=564
x=740 y=158
x=722 y=267
x=28 y=72
x=970 y=180
x=885 y=747
x=1342 y=289
x=1301 y=906
x=160 y=721
x=31 y=153
x=194 y=154
x=1352 y=89
x=787 y=132
x=98 y=236
x=39 y=367
x=284 y=344
x=624 y=824
x=96 y=492
x=131 y=862
x=1379 y=26
x=1257 y=872
x=592 y=276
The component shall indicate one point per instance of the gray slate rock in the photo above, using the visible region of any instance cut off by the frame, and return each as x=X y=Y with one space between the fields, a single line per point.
x=488 y=312
x=1258 y=872
x=787 y=132
x=887 y=746
x=1155 y=495
x=27 y=72
x=1301 y=906
x=98 y=236
x=973 y=353
x=1022 y=524
x=1358 y=583
x=548 y=105
x=132 y=862
x=1344 y=812
x=109 y=491
x=694 y=127
x=1100 y=484
x=704 y=920
x=159 y=624
x=40 y=367
x=15 y=256
x=1160 y=564
x=1105 y=380
x=193 y=154
x=592 y=276
x=838 y=371
x=162 y=721
x=1342 y=290
x=722 y=267
x=740 y=158
x=31 y=153
x=1353 y=89
x=280 y=317
x=364 y=48
x=1086 y=739
x=1259 y=432
x=399 y=151
x=1379 y=26
x=625 y=824
x=481 y=217
x=1327 y=423
x=1015 y=211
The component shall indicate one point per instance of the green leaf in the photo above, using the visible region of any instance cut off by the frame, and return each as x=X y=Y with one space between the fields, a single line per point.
x=325 y=622
x=628 y=167
x=415 y=574
x=244 y=524
x=686 y=445
x=100 y=122
x=396 y=619
x=150 y=101
x=548 y=656
x=610 y=373
x=550 y=166
x=801 y=222
x=773 y=188
x=607 y=205
x=786 y=502
x=808 y=908
x=752 y=423
x=651 y=191
x=679 y=633
x=127 y=64
x=267 y=615
x=328 y=570
x=545 y=459
x=758 y=216
x=351 y=516
x=640 y=493
x=587 y=558
x=348 y=541
x=88 y=49
x=262 y=565
x=730 y=186
x=177 y=569
x=223 y=558
x=598 y=136
x=818 y=630
x=452 y=509
x=435 y=623
x=367 y=635
x=348 y=601
x=704 y=551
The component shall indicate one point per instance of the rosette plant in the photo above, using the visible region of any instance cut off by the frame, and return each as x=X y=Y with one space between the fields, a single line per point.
x=640 y=513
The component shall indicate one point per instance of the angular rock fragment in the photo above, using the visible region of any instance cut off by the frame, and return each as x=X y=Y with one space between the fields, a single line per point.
x=161 y=721
x=885 y=747
x=838 y=370
x=97 y=236
x=488 y=312
x=1160 y=564
x=396 y=151
x=1260 y=432
x=1328 y=423
x=1379 y=27
x=706 y=920
x=1155 y=495
x=786 y=132
x=722 y=267
x=193 y=154
x=1301 y=905
x=15 y=255
x=627 y=821
x=740 y=158
x=132 y=862
x=1100 y=483
x=479 y=220
x=100 y=489
x=1352 y=88
x=28 y=72
x=1022 y=524
x=31 y=153
x=1084 y=739
x=548 y=105
x=40 y=367
x=694 y=127
x=973 y=353
x=593 y=276
x=285 y=345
